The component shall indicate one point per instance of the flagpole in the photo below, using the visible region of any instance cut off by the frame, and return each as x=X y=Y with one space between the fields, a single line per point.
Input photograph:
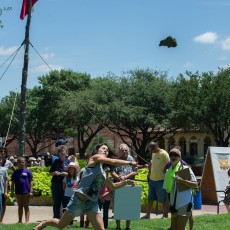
x=22 y=114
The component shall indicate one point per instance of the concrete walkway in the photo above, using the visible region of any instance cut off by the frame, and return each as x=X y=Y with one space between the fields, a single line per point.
x=39 y=213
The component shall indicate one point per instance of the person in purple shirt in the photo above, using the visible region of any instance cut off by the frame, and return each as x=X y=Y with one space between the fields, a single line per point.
x=22 y=186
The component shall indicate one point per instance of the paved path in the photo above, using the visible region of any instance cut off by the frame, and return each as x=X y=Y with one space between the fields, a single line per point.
x=39 y=213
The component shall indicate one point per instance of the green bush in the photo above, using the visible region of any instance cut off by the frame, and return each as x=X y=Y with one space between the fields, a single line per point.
x=41 y=181
x=142 y=175
x=82 y=163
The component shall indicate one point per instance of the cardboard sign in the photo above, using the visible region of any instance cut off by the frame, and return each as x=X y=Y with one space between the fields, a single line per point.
x=127 y=203
x=184 y=174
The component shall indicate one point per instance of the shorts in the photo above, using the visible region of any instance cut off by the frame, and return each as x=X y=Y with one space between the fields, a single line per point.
x=156 y=191
x=3 y=200
x=183 y=211
x=76 y=207
x=227 y=197
x=23 y=199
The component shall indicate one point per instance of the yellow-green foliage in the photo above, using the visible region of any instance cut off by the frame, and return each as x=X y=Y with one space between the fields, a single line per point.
x=142 y=175
x=41 y=180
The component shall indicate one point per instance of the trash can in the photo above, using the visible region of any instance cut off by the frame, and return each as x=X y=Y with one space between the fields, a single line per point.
x=197 y=199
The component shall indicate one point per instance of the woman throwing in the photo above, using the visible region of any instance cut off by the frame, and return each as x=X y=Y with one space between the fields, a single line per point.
x=85 y=198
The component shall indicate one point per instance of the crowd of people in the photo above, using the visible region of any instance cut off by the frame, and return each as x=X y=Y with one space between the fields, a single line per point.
x=84 y=192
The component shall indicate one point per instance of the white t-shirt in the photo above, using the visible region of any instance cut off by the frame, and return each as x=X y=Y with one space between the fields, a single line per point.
x=3 y=177
x=71 y=186
x=8 y=164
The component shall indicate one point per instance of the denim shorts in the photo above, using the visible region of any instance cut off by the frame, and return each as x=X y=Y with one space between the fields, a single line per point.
x=76 y=207
x=156 y=191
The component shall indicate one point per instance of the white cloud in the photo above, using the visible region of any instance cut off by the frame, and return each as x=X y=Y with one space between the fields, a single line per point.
x=7 y=51
x=208 y=37
x=225 y=44
x=45 y=68
x=48 y=56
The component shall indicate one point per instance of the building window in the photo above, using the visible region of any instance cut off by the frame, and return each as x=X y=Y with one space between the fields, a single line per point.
x=193 y=147
x=182 y=144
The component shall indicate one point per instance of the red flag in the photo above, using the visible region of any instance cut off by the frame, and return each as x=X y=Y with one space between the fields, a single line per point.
x=25 y=7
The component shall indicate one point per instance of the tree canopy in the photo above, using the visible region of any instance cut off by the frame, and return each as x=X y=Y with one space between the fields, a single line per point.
x=140 y=106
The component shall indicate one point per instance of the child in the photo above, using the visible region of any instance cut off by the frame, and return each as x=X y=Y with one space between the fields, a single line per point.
x=227 y=197
x=104 y=201
x=70 y=183
x=22 y=186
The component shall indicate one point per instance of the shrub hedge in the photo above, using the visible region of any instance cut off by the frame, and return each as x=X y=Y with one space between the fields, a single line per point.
x=42 y=181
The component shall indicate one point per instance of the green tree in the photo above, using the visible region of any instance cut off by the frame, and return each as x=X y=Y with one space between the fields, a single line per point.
x=140 y=106
x=42 y=101
x=215 y=105
x=84 y=113
x=185 y=100
x=37 y=126
x=9 y=106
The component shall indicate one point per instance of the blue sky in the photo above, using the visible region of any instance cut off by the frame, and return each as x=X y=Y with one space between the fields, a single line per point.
x=101 y=36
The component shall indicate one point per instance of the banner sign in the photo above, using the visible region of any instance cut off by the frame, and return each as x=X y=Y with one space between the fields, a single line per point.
x=215 y=175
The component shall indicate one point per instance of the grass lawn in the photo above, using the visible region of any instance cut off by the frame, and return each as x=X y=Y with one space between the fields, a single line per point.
x=208 y=222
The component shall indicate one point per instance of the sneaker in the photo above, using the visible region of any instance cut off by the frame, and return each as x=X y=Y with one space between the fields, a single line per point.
x=145 y=217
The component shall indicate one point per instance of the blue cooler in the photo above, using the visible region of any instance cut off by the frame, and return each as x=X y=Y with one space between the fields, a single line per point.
x=197 y=200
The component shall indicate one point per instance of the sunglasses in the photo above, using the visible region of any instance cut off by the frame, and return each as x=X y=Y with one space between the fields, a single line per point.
x=174 y=155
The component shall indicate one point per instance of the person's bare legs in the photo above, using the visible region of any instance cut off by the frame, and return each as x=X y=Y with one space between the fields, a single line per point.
x=27 y=214
x=173 y=221
x=128 y=223
x=26 y=199
x=60 y=224
x=181 y=222
x=165 y=210
x=19 y=198
x=227 y=207
x=191 y=221
x=118 y=223
x=96 y=220
x=149 y=207
x=3 y=213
